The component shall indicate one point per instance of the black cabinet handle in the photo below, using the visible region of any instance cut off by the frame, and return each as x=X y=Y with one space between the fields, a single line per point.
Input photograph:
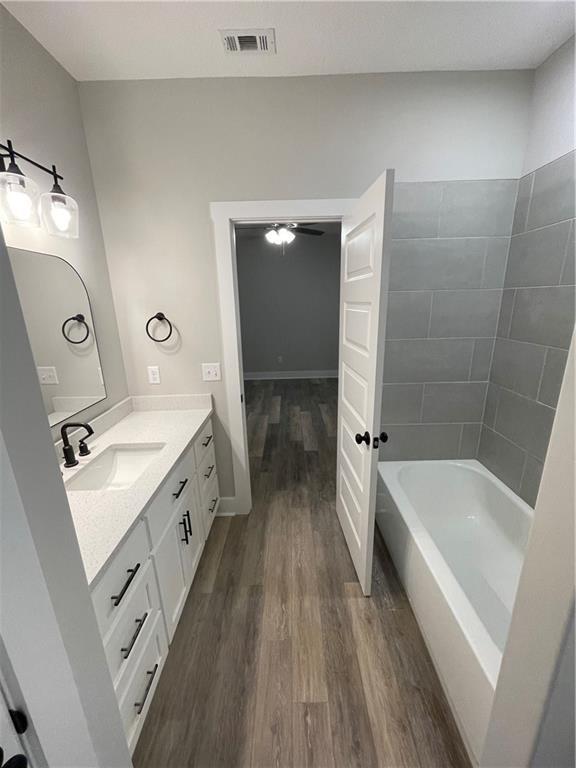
x=384 y=437
x=178 y=493
x=186 y=540
x=187 y=517
x=140 y=704
x=19 y=720
x=208 y=441
x=117 y=599
x=210 y=470
x=140 y=622
x=17 y=761
x=213 y=507
x=365 y=438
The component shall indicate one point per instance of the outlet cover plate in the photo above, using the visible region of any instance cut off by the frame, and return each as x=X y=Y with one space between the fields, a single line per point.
x=211 y=372
x=47 y=374
x=153 y=374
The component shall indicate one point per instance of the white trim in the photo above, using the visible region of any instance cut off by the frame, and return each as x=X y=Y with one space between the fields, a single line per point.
x=271 y=375
x=227 y=507
x=223 y=216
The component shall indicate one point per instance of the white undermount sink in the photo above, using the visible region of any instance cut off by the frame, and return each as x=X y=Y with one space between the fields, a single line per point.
x=116 y=468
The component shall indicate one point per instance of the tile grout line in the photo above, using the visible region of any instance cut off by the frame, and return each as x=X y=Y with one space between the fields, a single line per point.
x=544 y=363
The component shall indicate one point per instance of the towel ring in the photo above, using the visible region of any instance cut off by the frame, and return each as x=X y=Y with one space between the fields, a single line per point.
x=162 y=318
x=75 y=319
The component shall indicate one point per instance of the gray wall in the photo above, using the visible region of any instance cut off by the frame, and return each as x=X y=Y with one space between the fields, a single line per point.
x=236 y=139
x=289 y=303
x=446 y=276
x=40 y=112
x=534 y=330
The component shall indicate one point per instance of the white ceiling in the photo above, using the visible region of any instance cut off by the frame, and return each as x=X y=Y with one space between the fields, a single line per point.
x=147 y=40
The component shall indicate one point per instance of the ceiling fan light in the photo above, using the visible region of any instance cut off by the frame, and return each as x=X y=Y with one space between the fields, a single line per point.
x=286 y=236
x=273 y=237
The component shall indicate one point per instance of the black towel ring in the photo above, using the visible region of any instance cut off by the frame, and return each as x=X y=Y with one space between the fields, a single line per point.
x=162 y=318
x=76 y=319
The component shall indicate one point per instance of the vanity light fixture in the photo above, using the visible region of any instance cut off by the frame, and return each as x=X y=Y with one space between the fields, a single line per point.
x=18 y=194
x=21 y=203
x=59 y=211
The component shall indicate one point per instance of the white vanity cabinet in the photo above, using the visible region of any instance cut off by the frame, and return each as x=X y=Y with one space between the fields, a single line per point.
x=208 y=489
x=140 y=593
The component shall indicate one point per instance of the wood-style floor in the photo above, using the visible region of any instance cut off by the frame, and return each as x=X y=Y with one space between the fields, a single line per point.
x=278 y=659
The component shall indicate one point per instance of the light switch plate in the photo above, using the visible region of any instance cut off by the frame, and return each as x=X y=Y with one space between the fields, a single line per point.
x=153 y=374
x=47 y=374
x=211 y=372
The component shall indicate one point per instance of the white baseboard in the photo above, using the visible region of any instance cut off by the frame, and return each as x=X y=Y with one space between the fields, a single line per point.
x=267 y=375
x=229 y=506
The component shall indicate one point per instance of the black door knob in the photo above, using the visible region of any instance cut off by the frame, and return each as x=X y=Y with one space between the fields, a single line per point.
x=384 y=437
x=365 y=438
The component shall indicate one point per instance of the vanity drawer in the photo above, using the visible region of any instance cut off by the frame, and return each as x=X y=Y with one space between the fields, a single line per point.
x=124 y=641
x=204 y=442
x=118 y=581
x=179 y=483
x=210 y=504
x=206 y=471
x=135 y=701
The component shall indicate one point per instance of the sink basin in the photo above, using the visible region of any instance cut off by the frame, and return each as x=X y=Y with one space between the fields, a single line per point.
x=116 y=468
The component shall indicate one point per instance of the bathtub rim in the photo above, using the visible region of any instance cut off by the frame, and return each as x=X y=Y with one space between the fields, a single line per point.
x=485 y=649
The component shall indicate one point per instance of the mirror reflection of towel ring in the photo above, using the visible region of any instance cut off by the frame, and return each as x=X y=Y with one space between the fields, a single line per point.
x=161 y=317
x=79 y=318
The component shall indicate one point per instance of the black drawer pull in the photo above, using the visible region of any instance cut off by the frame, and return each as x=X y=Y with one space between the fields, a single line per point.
x=183 y=523
x=140 y=704
x=178 y=493
x=140 y=622
x=213 y=507
x=210 y=470
x=117 y=599
x=187 y=517
x=208 y=441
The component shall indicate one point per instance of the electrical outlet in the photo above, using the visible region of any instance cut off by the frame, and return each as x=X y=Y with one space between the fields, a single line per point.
x=153 y=374
x=211 y=372
x=47 y=374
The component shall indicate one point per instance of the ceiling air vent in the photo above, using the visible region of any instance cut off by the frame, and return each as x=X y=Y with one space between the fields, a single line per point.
x=248 y=40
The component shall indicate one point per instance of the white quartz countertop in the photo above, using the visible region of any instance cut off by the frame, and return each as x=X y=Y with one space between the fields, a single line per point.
x=103 y=518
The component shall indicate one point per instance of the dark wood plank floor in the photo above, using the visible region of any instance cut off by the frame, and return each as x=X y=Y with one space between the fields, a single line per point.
x=278 y=660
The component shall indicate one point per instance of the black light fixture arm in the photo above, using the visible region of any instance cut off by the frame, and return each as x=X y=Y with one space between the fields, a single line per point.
x=7 y=151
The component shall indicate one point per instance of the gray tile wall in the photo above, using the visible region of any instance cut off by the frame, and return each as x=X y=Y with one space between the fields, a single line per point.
x=447 y=273
x=534 y=329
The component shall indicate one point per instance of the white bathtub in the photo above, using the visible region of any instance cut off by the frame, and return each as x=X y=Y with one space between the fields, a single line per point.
x=457 y=536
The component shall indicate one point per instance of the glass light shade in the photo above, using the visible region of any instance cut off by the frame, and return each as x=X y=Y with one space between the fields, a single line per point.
x=18 y=199
x=59 y=214
x=273 y=237
x=286 y=236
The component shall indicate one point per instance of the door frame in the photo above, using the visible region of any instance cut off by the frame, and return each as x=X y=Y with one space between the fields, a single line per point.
x=224 y=216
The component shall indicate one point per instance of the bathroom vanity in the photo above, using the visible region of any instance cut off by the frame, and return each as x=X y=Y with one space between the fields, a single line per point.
x=143 y=503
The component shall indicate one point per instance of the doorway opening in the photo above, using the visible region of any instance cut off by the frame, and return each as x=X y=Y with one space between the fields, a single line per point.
x=365 y=257
x=288 y=293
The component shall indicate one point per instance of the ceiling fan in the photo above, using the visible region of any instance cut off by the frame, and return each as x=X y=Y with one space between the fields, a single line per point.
x=282 y=234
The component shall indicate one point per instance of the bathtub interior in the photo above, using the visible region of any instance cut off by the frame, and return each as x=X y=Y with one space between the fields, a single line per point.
x=479 y=527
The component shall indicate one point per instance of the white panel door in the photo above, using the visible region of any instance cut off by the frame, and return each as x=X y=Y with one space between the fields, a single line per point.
x=363 y=302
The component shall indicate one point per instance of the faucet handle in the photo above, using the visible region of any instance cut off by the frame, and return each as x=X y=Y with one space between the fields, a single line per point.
x=83 y=448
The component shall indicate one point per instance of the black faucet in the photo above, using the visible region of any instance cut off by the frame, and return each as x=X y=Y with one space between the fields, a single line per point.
x=68 y=450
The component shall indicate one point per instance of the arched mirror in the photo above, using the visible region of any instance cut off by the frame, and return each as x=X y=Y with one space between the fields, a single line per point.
x=61 y=330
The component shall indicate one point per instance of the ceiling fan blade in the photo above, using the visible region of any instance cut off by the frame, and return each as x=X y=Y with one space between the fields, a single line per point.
x=307 y=231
